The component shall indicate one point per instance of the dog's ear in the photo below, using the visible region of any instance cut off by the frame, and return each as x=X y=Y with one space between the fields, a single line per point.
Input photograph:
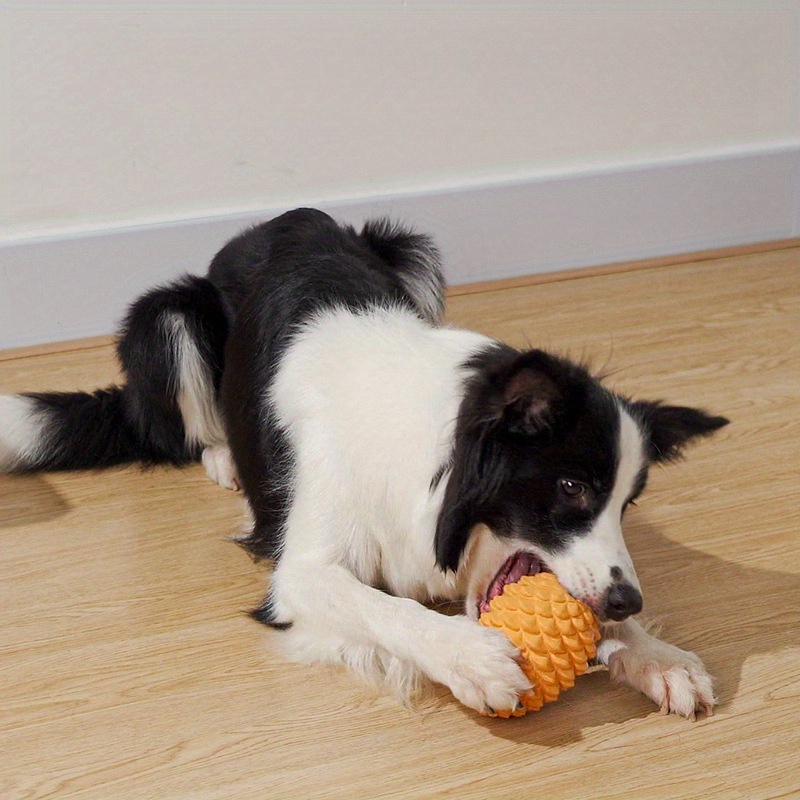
x=670 y=428
x=537 y=390
x=530 y=400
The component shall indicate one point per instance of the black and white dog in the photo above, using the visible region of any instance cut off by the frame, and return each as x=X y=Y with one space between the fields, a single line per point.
x=387 y=460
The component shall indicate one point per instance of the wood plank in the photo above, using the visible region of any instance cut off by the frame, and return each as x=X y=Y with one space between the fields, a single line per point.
x=622 y=266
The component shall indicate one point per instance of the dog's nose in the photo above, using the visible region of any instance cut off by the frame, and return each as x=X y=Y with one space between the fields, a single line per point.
x=622 y=601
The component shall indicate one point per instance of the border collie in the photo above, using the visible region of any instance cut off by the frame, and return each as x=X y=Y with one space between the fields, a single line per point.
x=388 y=461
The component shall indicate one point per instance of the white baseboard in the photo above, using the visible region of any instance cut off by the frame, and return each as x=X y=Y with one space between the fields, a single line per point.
x=78 y=284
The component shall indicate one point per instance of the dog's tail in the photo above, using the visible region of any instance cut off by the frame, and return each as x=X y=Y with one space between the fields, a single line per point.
x=171 y=350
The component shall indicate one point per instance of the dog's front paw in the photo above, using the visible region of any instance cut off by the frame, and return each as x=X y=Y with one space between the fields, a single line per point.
x=480 y=666
x=675 y=679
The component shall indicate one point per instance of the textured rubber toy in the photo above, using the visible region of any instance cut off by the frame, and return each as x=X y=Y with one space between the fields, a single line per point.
x=556 y=634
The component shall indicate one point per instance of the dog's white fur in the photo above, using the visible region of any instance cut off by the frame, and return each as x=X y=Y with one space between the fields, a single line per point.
x=218 y=463
x=363 y=516
x=195 y=391
x=675 y=679
x=20 y=424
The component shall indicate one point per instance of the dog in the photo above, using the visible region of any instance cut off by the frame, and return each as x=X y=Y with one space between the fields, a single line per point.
x=388 y=461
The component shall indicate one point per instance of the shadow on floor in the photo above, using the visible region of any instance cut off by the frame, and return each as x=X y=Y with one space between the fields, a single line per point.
x=28 y=499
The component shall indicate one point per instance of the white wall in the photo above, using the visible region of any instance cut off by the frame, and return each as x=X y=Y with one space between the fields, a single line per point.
x=135 y=138
x=123 y=113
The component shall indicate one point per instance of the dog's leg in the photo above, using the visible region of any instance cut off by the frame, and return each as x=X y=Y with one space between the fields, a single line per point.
x=219 y=466
x=675 y=679
x=479 y=665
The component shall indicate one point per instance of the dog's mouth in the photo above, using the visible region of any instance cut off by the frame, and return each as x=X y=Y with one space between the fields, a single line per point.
x=514 y=568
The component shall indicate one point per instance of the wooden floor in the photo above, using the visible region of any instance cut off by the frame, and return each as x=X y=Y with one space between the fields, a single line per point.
x=129 y=670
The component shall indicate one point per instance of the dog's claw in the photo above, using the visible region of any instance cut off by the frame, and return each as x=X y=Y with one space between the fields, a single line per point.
x=487 y=709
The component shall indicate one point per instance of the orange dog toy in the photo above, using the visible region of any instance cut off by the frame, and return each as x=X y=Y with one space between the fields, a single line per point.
x=556 y=634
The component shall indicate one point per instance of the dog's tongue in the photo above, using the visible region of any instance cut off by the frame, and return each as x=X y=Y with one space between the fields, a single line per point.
x=523 y=564
x=516 y=567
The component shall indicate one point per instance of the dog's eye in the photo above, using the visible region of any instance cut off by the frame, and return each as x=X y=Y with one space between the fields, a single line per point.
x=575 y=490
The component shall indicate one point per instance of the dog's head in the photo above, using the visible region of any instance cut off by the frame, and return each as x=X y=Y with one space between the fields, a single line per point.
x=546 y=460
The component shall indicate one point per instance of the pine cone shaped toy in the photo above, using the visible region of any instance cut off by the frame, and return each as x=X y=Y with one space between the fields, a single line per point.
x=556 y=634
